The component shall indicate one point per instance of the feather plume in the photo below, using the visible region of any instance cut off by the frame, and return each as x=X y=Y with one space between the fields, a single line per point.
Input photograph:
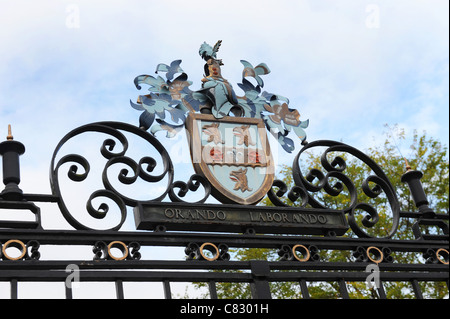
x=217 y=46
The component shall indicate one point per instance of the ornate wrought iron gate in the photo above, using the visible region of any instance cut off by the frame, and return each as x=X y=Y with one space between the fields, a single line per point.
x=208 y=231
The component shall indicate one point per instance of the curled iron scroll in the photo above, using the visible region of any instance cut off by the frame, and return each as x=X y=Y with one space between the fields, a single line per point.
x=193 y=184
x=113 y=154
x=336 y=169
x=293 y=194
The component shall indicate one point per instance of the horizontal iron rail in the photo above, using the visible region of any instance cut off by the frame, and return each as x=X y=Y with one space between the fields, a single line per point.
x=79 y=237
x=41 y=198
x=407 y=214
x=194 y=276
x=215 y=265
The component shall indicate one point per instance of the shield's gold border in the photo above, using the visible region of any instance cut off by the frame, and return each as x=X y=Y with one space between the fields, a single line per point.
x=218 y=191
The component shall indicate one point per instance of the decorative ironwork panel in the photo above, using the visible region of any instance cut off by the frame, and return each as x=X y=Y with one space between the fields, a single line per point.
x=233 y=164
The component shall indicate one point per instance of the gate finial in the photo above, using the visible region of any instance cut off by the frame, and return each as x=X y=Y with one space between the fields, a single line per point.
x=9 y=137
x=408 y=167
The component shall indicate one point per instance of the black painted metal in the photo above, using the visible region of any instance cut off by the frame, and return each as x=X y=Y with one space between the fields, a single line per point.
x=28 y=237
x=10 y=151
x=237 y=218
x=412 y=178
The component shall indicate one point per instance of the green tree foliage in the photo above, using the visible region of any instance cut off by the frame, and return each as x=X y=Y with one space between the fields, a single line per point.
x=426 y=155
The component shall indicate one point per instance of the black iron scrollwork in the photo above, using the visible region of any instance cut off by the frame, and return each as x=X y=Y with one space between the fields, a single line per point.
x=134 y=253
x=294 y=194
x=335 y=169
x=33 y=253
x=373 y=254
x=332 y=179
x=28 y=251
x=298 y=252
x=80 y=169
x=100 y=250
x=192 y=185
x=195 y=251
x=436 y=256
x=103 y=251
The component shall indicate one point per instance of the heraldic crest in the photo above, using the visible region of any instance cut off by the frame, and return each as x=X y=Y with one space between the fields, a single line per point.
x=226 y=132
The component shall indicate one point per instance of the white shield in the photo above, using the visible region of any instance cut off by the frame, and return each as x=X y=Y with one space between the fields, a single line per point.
x=233 y=153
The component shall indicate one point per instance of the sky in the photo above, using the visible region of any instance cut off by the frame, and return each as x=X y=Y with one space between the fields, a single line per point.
x=350 y=67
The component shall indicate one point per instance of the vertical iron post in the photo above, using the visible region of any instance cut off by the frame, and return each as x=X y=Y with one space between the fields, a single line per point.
x=10 y=151
x=412 y=178
x=260 y=286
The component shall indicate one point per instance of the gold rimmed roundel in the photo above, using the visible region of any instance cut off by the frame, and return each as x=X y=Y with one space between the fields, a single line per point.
x=17 y=244
x=212 y=249
x=306 y=254
x=438 y=254
x=119 y=245
x=379 y=254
